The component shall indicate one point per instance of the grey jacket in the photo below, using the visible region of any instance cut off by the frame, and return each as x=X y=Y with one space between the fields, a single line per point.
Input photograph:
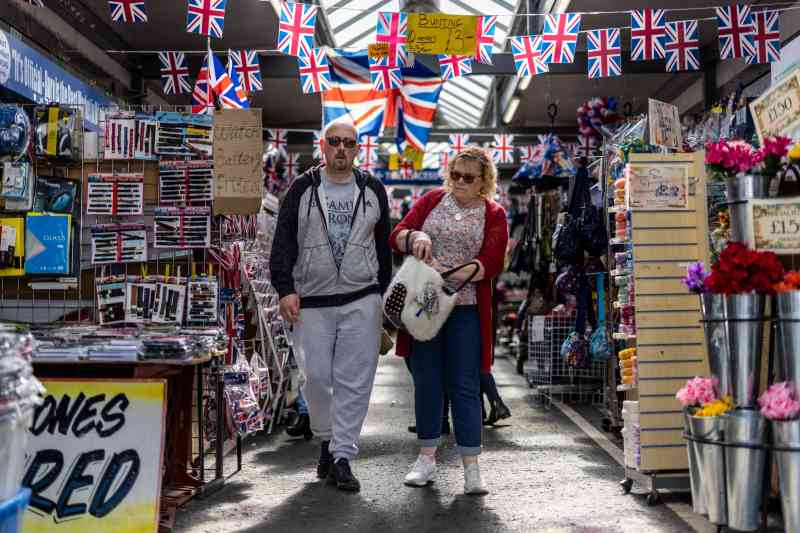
x=302 y=258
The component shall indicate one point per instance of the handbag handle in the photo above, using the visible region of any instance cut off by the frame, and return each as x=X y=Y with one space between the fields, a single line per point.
x=452 y=271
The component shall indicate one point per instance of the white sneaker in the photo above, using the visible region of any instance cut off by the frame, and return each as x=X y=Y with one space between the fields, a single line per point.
x=473 y=484
x=422 y=473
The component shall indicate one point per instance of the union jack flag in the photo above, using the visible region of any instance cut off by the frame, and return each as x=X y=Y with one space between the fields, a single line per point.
x=451 y=66
x=247 y=66
x=291 y=166
x=416 y=107
x=560 y=36
x=528 y=153
x=458 y=141
x=130 y=11
x=604 y=53
x=206 y=17
x=174 y=73
x=683 y=46
x=444 y=160
x=315 y=75
x=528 y=55
x=384 y=77
x=392 y=29
x=278 y=140
x=231 y=92
x=767 y=39
x=368 y=152
x=484 y=38
x=648 y=33
x=317 y=143
x=203 y=94
x=503 y=150
x=296 y=28
x=736 y=31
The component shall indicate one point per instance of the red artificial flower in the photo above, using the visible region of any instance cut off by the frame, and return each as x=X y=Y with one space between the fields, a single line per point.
x=740 y=270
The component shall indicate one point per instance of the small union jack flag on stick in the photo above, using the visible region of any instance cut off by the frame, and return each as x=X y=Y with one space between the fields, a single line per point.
x=127 y=11
x=484 y=39
x=248 y=67
x=174 y=73
x=683 y=46
x=503 y=150
x=206 y=17
x=604 y=53
x=296 y=28
x=560 y=37
x=315 y=74
x=391 y=30
x=648 y=33
x=528 y=55
x=452 y=66
x=736 y=31
x=767 y=39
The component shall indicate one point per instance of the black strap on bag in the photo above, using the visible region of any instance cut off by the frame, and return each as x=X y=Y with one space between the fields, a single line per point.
x=452 y=271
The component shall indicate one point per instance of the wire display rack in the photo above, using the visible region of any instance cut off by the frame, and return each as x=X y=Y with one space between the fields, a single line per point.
x=547 y=372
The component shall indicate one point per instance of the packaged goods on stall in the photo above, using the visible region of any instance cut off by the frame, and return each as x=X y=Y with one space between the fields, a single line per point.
x=16 y=133
x=58 y=131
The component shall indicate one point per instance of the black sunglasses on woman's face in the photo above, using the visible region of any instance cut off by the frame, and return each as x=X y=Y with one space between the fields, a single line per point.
x=469 y=179
x=336 y=141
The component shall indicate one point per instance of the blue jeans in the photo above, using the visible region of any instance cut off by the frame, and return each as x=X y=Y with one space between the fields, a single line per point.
x=300 y=402
x=451 y=363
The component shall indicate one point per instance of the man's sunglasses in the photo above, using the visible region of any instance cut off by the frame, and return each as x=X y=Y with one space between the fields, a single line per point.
x=469 y=179
x=336 y=141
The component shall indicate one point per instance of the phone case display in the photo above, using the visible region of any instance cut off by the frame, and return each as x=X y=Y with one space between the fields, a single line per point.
x=140 y=299
x=115 y=194
x=12 y=247
x=177 y=227
x=56 y=195
x=184 y=134
x=202 y=304
x=119 y=243
x=171 y=300
x=185 y=182
x=15 y=132
x=48 y=243
x=111 y=301
x=57 y=131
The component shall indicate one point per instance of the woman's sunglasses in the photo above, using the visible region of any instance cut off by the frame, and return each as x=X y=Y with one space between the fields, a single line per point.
x=336 y=141
x=469 y=179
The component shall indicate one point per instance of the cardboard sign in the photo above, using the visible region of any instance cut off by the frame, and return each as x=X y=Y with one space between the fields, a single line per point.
x=378 y=50
x=665 y=124
x=537 y=329
x=774 y=225
x=658 y=187
x=238 y=147
x=95 y=457
x=438 y=33
x=777 y=111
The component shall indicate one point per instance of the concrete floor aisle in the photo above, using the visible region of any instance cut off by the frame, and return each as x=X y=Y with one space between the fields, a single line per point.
x=544 y=474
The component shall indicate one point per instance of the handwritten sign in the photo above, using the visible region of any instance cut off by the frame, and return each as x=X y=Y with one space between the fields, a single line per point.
x=238 y=147
x=665 y=124
x=658 y=187
x=774 y=225
x=438 y=33
x=777 y=112
x=378 y=50
x=95 y=457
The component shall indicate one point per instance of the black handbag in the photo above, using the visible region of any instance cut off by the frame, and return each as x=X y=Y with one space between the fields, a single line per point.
x=567 y=241
x=584 y=228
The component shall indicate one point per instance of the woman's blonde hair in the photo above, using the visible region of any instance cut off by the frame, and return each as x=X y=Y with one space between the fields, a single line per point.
x=488 y=169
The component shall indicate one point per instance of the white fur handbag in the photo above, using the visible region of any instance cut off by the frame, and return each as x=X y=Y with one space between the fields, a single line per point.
x=418 y=300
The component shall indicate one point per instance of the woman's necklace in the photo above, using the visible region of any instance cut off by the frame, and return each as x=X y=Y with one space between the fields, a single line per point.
x=459 y=216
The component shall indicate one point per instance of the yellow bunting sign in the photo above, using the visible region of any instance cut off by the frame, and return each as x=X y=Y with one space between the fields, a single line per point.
x=415 y=157
x=438 y=33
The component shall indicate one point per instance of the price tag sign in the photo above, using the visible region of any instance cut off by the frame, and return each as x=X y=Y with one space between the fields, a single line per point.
x=665 y=124
x=537 y=329
x=378 y=50
x=774 y=225
x=777 y=112
x=658 y=187
x=438 y=33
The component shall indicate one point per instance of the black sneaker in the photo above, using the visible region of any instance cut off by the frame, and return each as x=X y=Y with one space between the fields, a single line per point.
x=325 y=461
x=341 y=476
x=301 y=428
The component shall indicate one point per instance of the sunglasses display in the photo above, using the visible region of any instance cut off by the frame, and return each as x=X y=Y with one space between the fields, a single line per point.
x=336 y=141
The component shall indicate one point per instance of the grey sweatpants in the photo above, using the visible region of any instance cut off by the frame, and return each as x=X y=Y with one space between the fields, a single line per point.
x=339 y=355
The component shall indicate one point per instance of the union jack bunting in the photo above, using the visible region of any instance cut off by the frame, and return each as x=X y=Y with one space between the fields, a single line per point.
x=683 y=46
x=174 y=73
x=368 y=152
x=315 y=75
x=648 y=33
x=736 y=31
x=291 y=166
x=129 y=11
x=458 y=141
x=767 y=38
x=392 y=29
x=383 y=76
x=206 y=17
x=451 y=66
x=484 y=39
x=296 y=28
x=604 y=53
x=317 y=143
x=231 y=92
x=528 y=55
x=503 y=149
x=444 y=160
x=203 y=94
x=527 y=153
x=248 y=67
x=278 y=140
x=560 y=36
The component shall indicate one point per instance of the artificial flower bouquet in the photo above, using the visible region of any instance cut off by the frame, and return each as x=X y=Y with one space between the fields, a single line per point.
x=778 y=403
x=726 y=159
x=740 y=270
x=773 y=155
x=789 y=283
x=696 y=276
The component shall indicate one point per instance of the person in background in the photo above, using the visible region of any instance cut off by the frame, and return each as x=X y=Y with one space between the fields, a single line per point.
x=446 y=228
x=330 y=264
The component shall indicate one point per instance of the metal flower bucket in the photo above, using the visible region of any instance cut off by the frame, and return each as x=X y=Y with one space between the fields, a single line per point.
x=787 y=435
x=713 y=308
x=694 y=449
x=746 y=466
x=741 y=189
x=712 y=460
x=744 y=315
x=789 y=336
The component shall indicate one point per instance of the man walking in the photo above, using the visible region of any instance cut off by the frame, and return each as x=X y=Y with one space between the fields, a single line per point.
x=330 y=264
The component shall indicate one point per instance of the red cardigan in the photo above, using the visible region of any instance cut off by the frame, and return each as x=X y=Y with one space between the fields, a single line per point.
x=491 y=256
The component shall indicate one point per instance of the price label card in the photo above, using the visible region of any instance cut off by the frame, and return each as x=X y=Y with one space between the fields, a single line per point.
x=438 y=33
x=775 y=225
x=537 y=329
x=378 y=50
x=777 y=112
x=658 y=187
x=665 y=124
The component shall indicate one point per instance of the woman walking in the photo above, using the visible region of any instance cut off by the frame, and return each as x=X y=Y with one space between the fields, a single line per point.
x=449 y=227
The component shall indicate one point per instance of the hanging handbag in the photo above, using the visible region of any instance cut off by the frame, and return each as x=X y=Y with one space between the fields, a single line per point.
x=592 y=227
x=599 y=345
x=566 y=240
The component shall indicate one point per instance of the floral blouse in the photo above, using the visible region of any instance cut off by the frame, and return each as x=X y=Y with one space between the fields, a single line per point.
x=457 y=236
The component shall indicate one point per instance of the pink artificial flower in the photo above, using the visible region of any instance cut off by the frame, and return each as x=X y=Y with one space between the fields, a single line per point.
x=778 y=402
x=697 y=392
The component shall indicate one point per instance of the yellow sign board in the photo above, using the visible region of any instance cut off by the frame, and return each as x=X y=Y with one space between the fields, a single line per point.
x=378 y=50
x=414 y=156
x=777 y=112
x=438 y=33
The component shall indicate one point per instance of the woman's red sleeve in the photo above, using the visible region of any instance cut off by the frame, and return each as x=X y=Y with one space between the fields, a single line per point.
x=493 y=252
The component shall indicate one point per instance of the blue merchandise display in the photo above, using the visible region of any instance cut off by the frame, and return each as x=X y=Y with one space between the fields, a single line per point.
x=48 y=239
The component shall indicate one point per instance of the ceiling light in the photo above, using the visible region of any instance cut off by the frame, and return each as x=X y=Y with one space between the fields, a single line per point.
x=508 y=115
x=524 y=82
x=561 y=6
